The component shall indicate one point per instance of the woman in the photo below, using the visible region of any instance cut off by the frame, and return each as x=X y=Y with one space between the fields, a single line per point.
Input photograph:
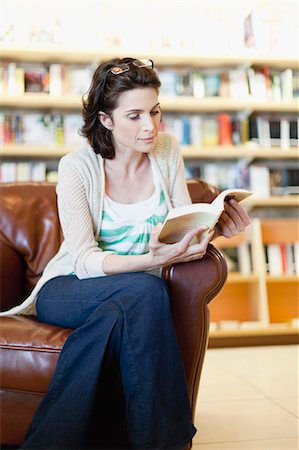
x=113 y=196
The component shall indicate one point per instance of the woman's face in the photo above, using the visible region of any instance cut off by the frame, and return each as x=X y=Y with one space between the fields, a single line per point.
x=136 y=120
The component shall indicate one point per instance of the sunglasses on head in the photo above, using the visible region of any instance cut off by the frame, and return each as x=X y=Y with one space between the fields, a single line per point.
x=125 y=67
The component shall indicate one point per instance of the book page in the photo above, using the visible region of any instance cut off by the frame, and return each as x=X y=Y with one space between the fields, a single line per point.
x=238 y=194
x=175 y=229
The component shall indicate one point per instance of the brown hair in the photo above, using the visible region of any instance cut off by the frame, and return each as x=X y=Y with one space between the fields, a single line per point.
x=103 y=96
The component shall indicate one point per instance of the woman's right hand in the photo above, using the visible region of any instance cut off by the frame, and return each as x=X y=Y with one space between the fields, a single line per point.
x=163 y=254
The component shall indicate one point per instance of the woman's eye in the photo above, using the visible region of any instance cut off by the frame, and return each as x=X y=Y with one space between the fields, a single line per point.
x=154 y=113
x=134 y=117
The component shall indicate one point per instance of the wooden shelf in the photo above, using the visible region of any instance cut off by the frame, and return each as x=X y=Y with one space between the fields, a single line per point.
x=262 y=331
x=164 y=57
x=259 y=336
x=175 y=104
x=274 y=201
x=235 y=277
x=37 y=151
x=41 y=101
x=237 y=152
x=188 y=151
x=283 y=279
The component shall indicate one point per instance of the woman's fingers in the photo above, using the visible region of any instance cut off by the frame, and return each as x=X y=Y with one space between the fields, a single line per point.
x=234 y=219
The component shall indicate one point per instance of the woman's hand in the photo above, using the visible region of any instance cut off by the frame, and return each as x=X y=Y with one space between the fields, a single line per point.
x=232 y=221
x=182 y=251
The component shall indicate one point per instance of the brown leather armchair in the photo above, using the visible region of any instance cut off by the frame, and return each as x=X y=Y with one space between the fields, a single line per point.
x=30 y=236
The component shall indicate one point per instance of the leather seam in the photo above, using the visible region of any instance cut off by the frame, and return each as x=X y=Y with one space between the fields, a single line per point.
x=23 y=391
x=31 y=349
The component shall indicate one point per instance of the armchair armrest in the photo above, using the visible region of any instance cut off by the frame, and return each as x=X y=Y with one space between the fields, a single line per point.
x=192 y=286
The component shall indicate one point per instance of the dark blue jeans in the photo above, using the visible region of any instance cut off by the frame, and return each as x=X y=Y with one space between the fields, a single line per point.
x=121 y=322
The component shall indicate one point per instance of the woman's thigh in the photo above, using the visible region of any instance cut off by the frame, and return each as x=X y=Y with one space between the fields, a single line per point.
x=67 y=301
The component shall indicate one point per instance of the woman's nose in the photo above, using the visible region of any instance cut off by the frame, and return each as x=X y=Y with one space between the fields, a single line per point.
x=149 y=124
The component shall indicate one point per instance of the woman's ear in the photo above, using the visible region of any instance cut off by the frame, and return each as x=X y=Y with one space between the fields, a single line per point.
x=105 y=120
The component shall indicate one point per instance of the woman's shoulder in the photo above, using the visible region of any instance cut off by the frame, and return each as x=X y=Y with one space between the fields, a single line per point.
x=82 y=159
x=83 y=154
x=167 y=142
x=167 y=147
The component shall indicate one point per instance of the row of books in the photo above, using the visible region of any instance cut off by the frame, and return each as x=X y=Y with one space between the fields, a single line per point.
x=282 y=259
x=275 y=178
x=189 y=129
x=261 y=84
x=37 y=129
x=53 y=79
x=74 y=79
x=274 y=130
x=227 y=129
x=238 y=259
x=206 y=130
x=24 y=171
x=264 y=179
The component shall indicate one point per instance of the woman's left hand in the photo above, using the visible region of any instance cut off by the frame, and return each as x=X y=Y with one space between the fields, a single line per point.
x=232 y=221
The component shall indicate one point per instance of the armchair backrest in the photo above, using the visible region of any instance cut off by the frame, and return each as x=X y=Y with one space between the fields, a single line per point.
x=31 y=234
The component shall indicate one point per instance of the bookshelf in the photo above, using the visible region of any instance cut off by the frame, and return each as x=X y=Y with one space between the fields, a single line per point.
x=250 y=299
x=256 y=308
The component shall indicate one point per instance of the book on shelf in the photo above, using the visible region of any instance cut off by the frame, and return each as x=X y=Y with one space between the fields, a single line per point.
x=25 y=171
x=183 y=219
x=244 y=258
x=55 y=82
x=212 y=84
x=227 y=175
x=259 y=178
x=225 y=129
x=282 y=258
x=41 y=129
x=238 y=84
x=36 y=78
x=275 y=178
x=210 y=131
x=238 y=258
x=278 y=131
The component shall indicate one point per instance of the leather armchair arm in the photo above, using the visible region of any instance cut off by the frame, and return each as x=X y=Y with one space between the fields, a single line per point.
x=192 y=286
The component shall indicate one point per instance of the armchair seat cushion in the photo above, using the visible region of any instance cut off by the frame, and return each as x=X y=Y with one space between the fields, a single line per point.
x=29 y=353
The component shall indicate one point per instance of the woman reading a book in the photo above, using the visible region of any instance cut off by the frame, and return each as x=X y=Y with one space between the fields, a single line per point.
x=113 y=196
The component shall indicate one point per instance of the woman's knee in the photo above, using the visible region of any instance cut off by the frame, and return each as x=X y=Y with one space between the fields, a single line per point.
x=147 y=296
x=150 y=286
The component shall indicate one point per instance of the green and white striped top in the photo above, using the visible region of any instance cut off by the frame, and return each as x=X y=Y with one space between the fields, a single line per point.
x=126 y=228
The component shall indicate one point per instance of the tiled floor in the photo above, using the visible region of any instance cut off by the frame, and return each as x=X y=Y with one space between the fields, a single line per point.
x=248 y=399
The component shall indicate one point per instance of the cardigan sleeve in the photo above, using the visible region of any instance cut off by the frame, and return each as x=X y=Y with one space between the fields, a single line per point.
x=77 y=225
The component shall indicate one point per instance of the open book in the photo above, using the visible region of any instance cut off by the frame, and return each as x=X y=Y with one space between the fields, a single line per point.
x=181 y=220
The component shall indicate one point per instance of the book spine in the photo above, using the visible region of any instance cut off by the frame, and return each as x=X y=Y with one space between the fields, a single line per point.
x=274 y=260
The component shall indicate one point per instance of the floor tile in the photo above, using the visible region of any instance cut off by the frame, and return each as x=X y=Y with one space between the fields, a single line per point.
x=273 y=371
x=218 y=384
x=243 y=420
x=270 y=444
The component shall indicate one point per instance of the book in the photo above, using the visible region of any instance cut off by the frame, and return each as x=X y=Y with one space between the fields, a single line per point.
x=273 y=257
x=225 y=129
x=185 y=218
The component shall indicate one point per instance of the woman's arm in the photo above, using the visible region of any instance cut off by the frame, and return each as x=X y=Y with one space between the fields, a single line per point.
x=159 y=254
x=77 y=224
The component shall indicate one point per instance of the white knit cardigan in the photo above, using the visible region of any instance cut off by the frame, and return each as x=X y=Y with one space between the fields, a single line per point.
x=80 y=193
